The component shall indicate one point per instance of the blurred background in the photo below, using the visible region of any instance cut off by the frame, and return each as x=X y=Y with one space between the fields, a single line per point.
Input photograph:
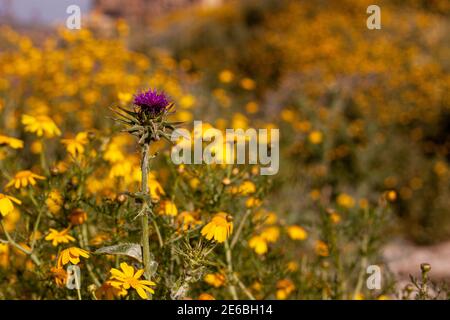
x=361 y=112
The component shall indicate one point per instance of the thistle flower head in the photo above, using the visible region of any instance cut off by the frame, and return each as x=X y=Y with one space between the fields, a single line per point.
x=148 y=119
x=151 y=102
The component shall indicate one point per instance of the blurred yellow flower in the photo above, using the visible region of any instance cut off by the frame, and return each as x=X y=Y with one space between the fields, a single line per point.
x=6 y=204
x=259 y=244
x=36 y=147
x=76 y=145
x=440 y=168
x=246 y=188
x=113 y=153
x=126 y=278
x=54 y=201
x=358 y=296
x=11 y=142
x=205 y=296
x=270 y=234
x=315 y=194
x=11 y=220
x=345 y=200
x=253 y=202
x=186 y=220
x=335 y=217
x=168 y=208
x=252 y=107
x=214 y=279
x=315 y=137
x=297 y=233
x=321 y=249
x=391 y=195
x=71 y=255
x=226 y=76
x=284 y=289
x=57 y=237
x=125 y=97
x=292 y=266
x=40 y=125
x=23 y=179
x=156 y=190
x=248 y=84
x=194 y=183
x=219 y=228
x=187 y=101
x=288 y=115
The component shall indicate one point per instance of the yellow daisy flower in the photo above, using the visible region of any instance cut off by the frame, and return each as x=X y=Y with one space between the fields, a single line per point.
x=219 y=228
x=40 y=125
x=11 y=142
x=23 y=179
x=128 y=278
x=57 y=237
x=6 y=204
x=71 y=255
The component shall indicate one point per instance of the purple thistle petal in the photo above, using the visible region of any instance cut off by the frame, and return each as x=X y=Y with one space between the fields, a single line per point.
x=151 y=101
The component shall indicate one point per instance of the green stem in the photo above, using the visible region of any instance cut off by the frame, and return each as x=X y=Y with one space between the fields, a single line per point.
x=19 y=247
x=239 y=230
x=231 y=286
x=362 y=270
x=77 y=281
x=42 y=157
x=38 y=220
x=158 y=233
x=244 y=288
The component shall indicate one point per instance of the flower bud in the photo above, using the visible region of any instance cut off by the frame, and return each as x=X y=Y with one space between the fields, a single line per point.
x=425 y=267
x=78 y=216
x=121 y=198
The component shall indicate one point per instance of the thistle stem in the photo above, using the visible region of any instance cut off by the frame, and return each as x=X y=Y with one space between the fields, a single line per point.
x=144 y=217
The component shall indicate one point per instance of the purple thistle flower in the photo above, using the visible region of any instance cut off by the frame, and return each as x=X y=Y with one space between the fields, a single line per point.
x=151 y=101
